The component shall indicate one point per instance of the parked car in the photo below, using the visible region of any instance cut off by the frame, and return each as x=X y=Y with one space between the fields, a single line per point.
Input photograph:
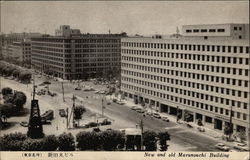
x=105 y=122
x=156 y=115
x=241 y=146
x=119 y=102
x=134 y=108
x=222 y=147
x=115 y=100
x=46 y=82
x=48 y=115
x=165 y=119
x=62 y=112
x=108 y=103
x=139 y=110
x=201 y=129
x=91 y=124
x=24 y=124
x=78 y=88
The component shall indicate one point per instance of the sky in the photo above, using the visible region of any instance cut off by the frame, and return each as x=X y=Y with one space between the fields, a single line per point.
x=133 y=17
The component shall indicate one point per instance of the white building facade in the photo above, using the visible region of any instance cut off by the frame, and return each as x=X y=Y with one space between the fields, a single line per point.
x=201 y=76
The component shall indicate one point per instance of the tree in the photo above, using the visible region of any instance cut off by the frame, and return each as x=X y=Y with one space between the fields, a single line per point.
x=50 y=143
x=7 y=109
x=242 y=135
x=19 y=100
x=12 y=141
x=111 y=139
x=33 y=145
x=228 y=130
x=6 y=91
x=66 y=142
x=149 y=140
x=163 y=138
x=88 y=140
x=25 y=77
x=78 y=112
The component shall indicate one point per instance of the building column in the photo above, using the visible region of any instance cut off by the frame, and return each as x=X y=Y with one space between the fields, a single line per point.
x=194 y=117
x=203 y=119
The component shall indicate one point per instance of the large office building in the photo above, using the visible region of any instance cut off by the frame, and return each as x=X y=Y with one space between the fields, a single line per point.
x=203 y=74
x=72 y=55
x=20 y=51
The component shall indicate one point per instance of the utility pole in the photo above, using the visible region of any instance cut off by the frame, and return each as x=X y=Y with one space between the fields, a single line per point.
x=63 y=92
x=102 y=107
x=72 y=111
x=141 y=126
x=230 y=122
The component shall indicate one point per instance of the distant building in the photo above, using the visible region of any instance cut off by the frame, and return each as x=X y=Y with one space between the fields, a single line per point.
x=20 y=51
x=70 y=55
x=200 y=75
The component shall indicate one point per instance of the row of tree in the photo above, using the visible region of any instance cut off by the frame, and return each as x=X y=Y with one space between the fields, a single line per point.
x=111 y=140
x=19 y=74
x=13 y=104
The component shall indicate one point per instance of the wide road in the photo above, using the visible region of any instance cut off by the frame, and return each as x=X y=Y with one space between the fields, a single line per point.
x=179 y=133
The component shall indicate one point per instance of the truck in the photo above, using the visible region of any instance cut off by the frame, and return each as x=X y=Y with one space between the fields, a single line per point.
x=47 y=116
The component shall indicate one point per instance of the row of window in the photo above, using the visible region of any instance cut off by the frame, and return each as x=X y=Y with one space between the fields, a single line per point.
x=189 y=47
x=185 y=101
x=205 y=30
x=193 y=85
x=185 y=74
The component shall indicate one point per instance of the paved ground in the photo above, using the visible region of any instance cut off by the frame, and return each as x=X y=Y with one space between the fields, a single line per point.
x=182 y=138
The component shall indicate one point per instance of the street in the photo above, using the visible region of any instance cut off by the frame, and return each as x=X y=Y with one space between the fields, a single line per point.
x=182 y=138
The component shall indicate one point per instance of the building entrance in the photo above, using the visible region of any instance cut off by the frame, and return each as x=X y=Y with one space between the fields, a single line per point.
x=217 y=124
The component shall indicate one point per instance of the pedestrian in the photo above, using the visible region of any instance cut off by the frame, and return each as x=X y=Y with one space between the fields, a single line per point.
x=57 y=127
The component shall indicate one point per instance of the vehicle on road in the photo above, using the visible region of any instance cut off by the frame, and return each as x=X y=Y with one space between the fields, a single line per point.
x=48 y=115
x=91 y=124
x=240 y=146
x=62 y=113
x=156 y=115
x=24 y=124
x=78 y=88
x=108 y=103
x=222 y=147
x=201 y=129
x=120 y=103
x=165 y=119
x=105 y=122
x=140 y=110
x=134 y=108
x=46 y=82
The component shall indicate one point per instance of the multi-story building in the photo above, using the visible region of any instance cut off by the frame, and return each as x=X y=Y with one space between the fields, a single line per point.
x=203 y=74
x=77 y=56
x=20 y=51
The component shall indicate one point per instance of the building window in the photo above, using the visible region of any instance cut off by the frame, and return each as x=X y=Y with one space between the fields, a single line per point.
x=235 y=28
x=196 y=30
x=188 y=31
x=220 y=30
x=212 y=30
x=203 y=30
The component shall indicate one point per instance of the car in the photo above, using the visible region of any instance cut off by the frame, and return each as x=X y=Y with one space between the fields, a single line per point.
x=165 y=119
x=108 y=103
x=46 y=82
x=62 y=113
x=105 y=122
x=139 y=110
x=156 y=115
x=91 y=124
x=78 y=88
x=96 y=92
x=24 y=124
x=134 y=108
x=201 y=129
x=222 y=147
x=240 y=146
x=115 y=100
x=119 y=102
